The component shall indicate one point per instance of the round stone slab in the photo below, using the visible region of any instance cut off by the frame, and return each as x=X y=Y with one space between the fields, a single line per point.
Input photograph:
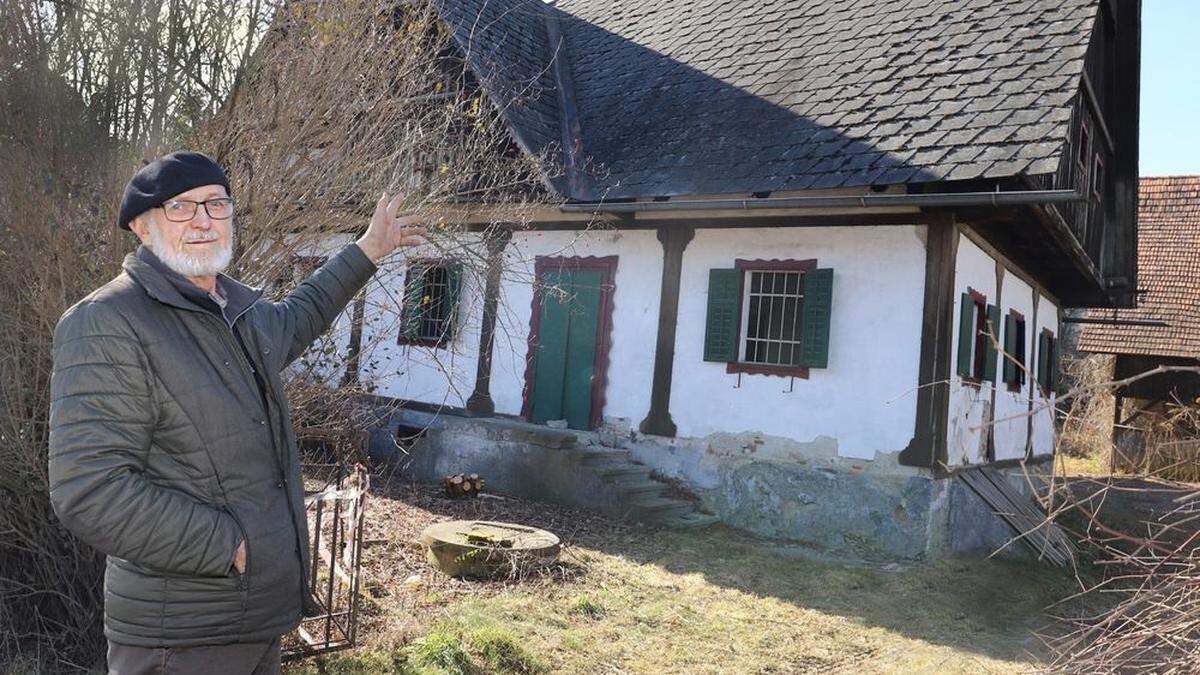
x=484 y=548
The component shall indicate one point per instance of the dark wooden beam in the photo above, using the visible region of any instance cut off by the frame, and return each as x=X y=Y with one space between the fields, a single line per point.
x=928 y=446
x=578 y=186
x=480 y=402
x=674 y=240
x=997 y=333
x=354 y=349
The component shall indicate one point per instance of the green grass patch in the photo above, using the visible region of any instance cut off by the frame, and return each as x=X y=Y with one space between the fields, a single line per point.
x=501 y=652
x=588 y=606
x=719 y=601
x=352 y=663
x=441 y=650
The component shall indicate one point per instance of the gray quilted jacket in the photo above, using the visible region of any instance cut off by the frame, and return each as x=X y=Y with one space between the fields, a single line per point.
x=164 y=452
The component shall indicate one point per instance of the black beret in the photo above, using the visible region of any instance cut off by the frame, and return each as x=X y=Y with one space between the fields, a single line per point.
x=166 y=177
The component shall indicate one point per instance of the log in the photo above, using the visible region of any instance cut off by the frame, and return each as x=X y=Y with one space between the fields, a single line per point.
x=463 y=485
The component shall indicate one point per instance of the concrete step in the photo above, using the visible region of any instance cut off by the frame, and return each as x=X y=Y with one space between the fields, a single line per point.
x=639 y=487
x=690 y=521
x=601 y=453
x=658 y=508
x=624 y=470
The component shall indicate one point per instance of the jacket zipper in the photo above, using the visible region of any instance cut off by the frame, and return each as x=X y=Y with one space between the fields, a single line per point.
x=244 y=361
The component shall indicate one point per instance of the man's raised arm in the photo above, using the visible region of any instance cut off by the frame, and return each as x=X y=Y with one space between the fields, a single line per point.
x=311 y=308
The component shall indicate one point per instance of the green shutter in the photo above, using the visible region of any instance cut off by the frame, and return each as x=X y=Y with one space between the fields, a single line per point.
x=724 y=312
x=816 y=314
x=1043 y=360
x=1010 y=350
x=966 y=334
x=989 y=350
x=413 y=308
x=453 y=290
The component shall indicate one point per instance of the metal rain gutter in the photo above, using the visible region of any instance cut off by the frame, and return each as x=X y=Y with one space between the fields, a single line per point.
x=1014 y=198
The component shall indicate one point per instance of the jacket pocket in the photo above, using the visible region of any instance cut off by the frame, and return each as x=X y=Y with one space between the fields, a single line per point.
x=243 y=578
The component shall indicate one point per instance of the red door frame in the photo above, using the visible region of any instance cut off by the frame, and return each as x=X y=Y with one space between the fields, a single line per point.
x=607 y=266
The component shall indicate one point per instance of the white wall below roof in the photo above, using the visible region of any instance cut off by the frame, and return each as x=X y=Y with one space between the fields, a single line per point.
x=970 y=405
x=971 y=408
x=1011 y=428
x=1044 y=435
x=866 y=399
x=864 y=402
x=635 y=314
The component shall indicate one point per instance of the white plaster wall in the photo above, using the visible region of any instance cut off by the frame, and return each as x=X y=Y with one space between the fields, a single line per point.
x=1044 y=434
x=326 y=357
x=444 y=374
x=970 y=405
x=971 y=412
x=1013 y=415
x=637 y=283
x=866 y=399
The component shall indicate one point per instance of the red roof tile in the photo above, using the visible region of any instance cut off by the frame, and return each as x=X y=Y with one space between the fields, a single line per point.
x=1168 y=272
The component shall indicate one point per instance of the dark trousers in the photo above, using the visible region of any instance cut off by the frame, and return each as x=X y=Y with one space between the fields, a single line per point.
x=255 y=658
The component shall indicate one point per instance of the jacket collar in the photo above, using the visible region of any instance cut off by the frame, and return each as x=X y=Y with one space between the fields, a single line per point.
x=169 y=287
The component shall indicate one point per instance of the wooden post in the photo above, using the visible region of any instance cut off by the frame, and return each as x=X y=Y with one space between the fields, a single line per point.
x=928 y=447
x=480 y=402
x=354 y=349
x=674 y=240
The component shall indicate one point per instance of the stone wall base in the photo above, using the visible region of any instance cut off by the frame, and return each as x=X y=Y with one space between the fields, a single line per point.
x=836 y=511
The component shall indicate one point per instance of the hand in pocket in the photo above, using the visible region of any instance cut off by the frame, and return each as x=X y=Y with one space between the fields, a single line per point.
x=239 y=558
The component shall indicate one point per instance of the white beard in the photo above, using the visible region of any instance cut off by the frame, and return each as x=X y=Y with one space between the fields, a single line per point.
x=191 y=265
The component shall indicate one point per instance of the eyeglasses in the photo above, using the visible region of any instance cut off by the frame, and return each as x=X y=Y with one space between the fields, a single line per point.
x=182 y=210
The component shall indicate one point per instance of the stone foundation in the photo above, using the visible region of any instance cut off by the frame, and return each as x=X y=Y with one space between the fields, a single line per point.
x=801 y=493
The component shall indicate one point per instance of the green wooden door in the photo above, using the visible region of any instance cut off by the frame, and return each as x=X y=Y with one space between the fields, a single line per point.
x=566 y=352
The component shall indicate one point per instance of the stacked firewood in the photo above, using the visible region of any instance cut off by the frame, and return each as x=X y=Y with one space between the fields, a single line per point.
x=463 y=485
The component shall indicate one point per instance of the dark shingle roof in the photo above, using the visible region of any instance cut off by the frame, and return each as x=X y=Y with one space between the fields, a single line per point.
x=505 y=44
x=720 y=96
x=1168 y=239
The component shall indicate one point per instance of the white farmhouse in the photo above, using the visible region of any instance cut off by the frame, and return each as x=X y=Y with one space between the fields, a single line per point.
x=812 y=219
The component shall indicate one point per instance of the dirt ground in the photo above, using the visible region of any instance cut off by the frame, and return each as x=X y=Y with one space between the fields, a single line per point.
x=626 y=598
x=1135 y=505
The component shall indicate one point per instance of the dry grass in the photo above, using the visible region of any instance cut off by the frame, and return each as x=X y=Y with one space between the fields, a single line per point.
x=1092 y=465
x=1087 y=422
x=631 y=599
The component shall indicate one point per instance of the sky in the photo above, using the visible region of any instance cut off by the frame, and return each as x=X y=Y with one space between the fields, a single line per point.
x=1170 y=124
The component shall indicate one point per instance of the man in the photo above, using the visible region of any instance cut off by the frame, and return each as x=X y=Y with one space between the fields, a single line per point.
x=171 y=446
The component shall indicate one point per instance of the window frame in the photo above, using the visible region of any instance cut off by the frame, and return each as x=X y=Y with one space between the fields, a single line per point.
x=443 y=340
x=1083 y=161
x=979 y=340
x=744 y=268
x=1048 y=380
x=1022 y=349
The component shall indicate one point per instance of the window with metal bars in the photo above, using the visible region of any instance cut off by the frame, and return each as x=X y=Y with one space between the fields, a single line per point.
x=431 y=291
x=771 y=311
x=769 y=317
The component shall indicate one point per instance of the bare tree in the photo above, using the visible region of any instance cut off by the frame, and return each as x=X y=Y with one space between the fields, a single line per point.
x=315 y=108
